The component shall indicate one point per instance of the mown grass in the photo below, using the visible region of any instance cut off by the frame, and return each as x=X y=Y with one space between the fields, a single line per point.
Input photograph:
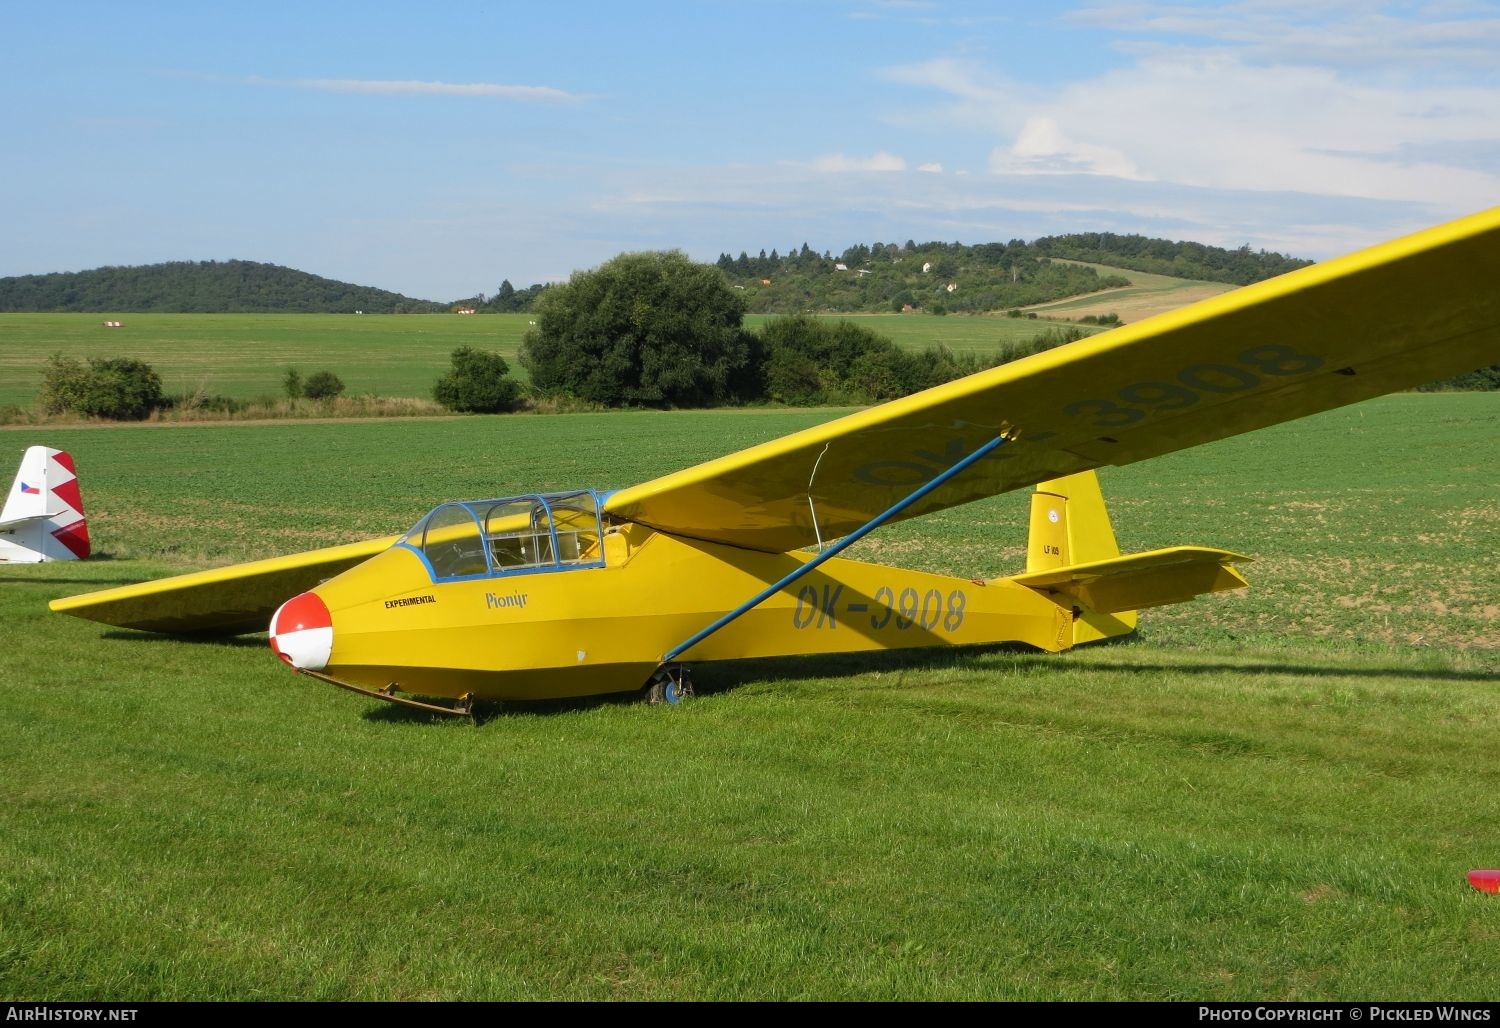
x=1265 y=795
x=244 y=356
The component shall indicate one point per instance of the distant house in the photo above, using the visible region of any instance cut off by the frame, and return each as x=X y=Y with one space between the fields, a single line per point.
x=765 y=281
x=952 y=286
x=862 y=272
x=463 y=310
x=841 y=267
x=907 y=308
x=926 y=267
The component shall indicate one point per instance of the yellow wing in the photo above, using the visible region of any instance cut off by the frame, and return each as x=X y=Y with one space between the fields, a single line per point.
x=226 y=600
x=1391 y=317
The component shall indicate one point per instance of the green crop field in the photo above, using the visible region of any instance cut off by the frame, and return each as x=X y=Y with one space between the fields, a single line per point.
x=1272 y=794
x=244 y=356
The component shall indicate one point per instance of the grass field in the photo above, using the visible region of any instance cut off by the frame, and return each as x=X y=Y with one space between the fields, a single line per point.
x=1264 y=795
x=244 y=356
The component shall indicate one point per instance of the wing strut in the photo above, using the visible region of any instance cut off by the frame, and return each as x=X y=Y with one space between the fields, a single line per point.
x=838 y=547
x=810 y=508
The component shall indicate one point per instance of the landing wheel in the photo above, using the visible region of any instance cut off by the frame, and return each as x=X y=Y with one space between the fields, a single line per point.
x=670 y=684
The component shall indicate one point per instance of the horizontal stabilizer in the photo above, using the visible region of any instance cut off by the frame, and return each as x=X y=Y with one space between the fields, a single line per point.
x=224 y=601
x=30 y=519
x=1140 y=580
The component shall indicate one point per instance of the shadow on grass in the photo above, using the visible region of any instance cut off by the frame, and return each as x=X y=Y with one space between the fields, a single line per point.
x=731 y=675
x=486 y=711
x=1301 y=670
x=101 y=583
x=227 y=641
x=714 y=679
x=723 y=677
x=98 y=581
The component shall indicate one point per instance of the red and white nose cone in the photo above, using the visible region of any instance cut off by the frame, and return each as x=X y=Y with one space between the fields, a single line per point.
x=302 y=632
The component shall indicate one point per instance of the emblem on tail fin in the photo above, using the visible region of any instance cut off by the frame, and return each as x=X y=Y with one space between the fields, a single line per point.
x=43 y=515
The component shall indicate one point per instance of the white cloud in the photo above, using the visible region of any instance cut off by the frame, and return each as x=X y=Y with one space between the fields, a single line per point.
x=1218 y=118
x=882 y=161
x=931 y=167
x=1042 y=148
x=406 y=87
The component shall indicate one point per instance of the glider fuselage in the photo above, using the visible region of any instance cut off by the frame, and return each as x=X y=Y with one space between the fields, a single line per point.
x=604 y=625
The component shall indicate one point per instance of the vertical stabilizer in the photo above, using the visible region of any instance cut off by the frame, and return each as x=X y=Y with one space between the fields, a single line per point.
x=1070 y=525
x=43 y=515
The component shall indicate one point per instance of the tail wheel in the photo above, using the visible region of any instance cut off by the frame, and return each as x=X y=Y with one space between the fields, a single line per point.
x=670 y=684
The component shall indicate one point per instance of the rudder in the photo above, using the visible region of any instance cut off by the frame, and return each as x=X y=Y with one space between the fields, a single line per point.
x=1070 y=525
x=43 y=516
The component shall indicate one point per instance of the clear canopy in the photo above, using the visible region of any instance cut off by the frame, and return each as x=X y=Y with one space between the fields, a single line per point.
x=540 y=532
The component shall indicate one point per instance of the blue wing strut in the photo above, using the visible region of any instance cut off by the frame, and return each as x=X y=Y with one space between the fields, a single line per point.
x=837 y=548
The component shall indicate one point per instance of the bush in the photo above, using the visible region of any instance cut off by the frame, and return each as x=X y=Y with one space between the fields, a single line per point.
x=291 y=383
x=1042 y=341
x=322 y=385
x=204 y=403
x=118 y=388
x=811 y=361
x=479 y=383
x=644 y=329
x=1481 y=380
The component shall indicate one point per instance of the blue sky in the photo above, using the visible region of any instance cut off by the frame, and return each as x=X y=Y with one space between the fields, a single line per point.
x=436 y=149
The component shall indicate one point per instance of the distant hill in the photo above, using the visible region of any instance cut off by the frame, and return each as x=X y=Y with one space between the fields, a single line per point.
x=935 y=277
x=200 y=287
x=952 y=277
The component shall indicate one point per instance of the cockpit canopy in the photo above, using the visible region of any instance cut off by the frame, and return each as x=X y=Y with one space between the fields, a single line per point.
x=514 y=534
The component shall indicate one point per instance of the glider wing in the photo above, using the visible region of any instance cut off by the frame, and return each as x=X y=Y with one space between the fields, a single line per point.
x=227 y=601
x=1395 y=316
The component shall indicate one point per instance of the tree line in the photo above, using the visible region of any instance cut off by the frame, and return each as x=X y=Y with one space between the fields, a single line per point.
x=1238 y=267
x=936 y=278
x=940 y=277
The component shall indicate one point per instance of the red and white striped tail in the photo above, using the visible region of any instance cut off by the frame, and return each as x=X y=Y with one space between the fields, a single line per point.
x=43 y=514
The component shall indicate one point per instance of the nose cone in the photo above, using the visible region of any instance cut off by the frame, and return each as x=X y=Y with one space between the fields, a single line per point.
x=302 y=632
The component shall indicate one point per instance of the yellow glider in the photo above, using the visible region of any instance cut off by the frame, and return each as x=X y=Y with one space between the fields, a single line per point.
x=582 y=593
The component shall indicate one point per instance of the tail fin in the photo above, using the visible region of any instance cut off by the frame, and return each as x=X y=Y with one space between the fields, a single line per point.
x=1073 y=557
x=1070 y=525
x=43 y=515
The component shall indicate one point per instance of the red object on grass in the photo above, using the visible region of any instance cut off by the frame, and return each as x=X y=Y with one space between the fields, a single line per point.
x=1485 y=881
